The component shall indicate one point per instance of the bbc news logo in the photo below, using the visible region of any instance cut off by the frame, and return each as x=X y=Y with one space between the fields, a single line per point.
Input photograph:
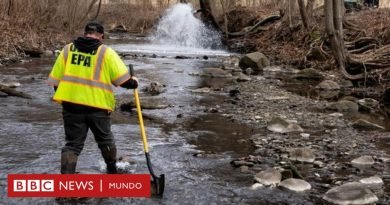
x=79 y=185
x=33 y=185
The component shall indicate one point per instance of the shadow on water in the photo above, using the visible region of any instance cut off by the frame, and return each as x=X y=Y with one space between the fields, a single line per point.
x=214 y=133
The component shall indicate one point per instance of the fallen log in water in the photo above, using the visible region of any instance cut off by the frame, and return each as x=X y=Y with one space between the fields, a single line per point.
x=13 y=92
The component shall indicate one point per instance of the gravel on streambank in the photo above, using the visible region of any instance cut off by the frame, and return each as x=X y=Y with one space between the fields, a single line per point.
x=330 y=135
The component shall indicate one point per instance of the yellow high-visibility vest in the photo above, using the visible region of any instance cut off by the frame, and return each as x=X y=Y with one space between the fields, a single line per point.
x=87 y=78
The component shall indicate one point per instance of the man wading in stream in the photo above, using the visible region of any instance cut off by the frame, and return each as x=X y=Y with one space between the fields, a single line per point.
x=82 y=76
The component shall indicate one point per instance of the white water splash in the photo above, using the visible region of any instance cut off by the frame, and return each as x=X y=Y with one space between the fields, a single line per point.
x=179 y=27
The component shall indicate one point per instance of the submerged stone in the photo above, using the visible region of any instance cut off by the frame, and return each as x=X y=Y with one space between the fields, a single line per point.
x=297 y=185
x=302 y=155
x=256 y=186
x=283 y=126
x=269 y=177
x=350 y=193
x=328 y=85
x=363 y=161
x=374 y=180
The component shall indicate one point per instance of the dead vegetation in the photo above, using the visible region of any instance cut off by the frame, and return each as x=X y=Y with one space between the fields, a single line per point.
x=36 y=25
x=366 y=36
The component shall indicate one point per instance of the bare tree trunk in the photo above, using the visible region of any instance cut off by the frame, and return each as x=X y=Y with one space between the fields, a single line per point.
x=334 y=29
x=98 y=10
x=290 y=24
x=225 y=19
x=207 y=15
x=309 y=10
x=302 y=11
x=9 y=7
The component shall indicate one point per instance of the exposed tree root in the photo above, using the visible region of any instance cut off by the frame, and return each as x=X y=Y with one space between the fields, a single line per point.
x=257 y=27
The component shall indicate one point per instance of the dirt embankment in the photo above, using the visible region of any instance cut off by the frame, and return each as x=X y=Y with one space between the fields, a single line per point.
x=286 y=46
x=34 y=29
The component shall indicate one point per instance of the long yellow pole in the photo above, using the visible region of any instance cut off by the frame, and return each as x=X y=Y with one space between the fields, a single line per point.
x=141 y=121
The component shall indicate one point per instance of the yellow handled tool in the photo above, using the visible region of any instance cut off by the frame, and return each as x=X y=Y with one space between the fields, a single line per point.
x=158 y=183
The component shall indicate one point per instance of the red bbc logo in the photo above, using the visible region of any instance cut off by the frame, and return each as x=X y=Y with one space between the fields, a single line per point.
x=33 y=186
x=79 y=185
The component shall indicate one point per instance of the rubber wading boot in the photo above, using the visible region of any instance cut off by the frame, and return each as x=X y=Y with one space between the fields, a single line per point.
x=109 y=155
x=68 y=162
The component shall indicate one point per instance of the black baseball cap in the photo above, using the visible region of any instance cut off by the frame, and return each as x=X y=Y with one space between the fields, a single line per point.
x=94 y=27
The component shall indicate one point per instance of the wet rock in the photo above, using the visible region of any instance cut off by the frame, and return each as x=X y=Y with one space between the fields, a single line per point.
x=344 y=106
x=211 y=110
x=155 y=88
x=363 y=161
x=283 y=126
x=277 y=98
x=305 y=135
x=228 y=68
x=47 y=53
x=257 y=61
x=297 y=185
x=368 y=103
x=201 y=90
x=350 y=98
x=216 y=73
x=232 y=61
x=33 y=52
x=318 y=164
x=11 y=84
x=365 y=124
x=336 y=114
x=244 y=169
x=269 y=177
x=302 y=155
x=234 y=92
x=256 y=186
x=384 y=159
x=328 y=85
x=243 y=78
x=328 y=94
x=249 y=71
x=182 y=57
x=350 y=193
x=346 y=84
x=118 y=29
x=308 y=73
x=239 y=163
x=372 y=181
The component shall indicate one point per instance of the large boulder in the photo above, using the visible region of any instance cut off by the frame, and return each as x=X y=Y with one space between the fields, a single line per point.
x=351 y=193
x=257 y=61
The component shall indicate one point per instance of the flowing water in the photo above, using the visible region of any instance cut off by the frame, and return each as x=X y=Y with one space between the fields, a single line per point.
x=179 y=27
x=31 y=133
